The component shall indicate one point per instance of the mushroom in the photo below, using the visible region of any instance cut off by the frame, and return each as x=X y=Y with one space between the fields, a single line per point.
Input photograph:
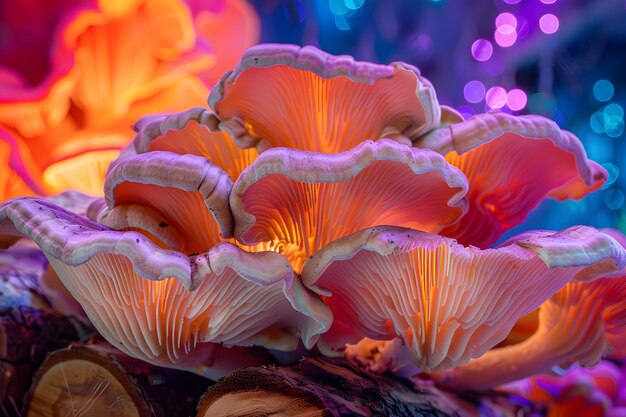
x=448 y=303
x=192 y=132
x=167 y=308
x=579 y=324
x=187 y=190
x=296 y=202
x=499 y=154
x=72 y=121
x=319 y=102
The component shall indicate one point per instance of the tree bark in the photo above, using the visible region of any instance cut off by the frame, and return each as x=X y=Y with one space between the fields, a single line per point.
x=29 y=328
x=335 y=387
x=99 y=380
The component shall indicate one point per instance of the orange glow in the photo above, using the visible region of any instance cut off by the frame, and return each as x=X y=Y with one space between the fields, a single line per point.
x=217 y=147
x=507 y=181
x=124 y=59
x=294 y=217
x=305 y=111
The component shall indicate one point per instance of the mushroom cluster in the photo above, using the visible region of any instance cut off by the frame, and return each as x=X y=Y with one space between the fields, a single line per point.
x=323 y=202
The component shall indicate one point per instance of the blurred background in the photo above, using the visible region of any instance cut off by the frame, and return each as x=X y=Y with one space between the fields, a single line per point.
x=564 y=59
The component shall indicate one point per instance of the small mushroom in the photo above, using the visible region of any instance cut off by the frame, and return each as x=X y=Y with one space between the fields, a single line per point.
x=297 y=201
x=167 y=308
x=512 y=163
x=314 y=101
x=192 y=132
x=448 y=303
x=187 y=190
x=579 y=324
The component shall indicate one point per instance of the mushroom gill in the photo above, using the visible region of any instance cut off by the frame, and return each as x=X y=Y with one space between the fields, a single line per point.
x=318 y=102
x=297 y=201
x=449 y=303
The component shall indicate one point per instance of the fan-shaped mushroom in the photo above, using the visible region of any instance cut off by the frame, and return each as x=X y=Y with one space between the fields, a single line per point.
x=447 y=302
x=512 y=163
x=301 y=200
x=167 y=308
x=318 y=102
x=578 y=324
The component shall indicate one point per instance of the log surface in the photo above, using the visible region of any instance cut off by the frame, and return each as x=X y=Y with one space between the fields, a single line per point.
x=97 y=379
x=335 y=387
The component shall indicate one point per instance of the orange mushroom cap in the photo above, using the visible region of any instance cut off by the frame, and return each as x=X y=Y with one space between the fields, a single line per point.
x=512 y=163
x=447 y=302
x=186 y=189
x=194 y=132
x=301 y=200
x=579 y=324
x=162 y=306
x=318 y=102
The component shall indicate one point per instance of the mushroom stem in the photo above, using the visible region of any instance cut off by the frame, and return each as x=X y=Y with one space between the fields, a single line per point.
x=439 y=140
x=393 y=133
x=503 y=365
x=573 y=327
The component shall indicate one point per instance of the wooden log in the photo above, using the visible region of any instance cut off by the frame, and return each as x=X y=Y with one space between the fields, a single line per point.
x=29 y=327
x=335 y=387
x=98 y=380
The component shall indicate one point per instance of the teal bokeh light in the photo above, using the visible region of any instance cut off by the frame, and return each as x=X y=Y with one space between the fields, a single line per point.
x=603 y=90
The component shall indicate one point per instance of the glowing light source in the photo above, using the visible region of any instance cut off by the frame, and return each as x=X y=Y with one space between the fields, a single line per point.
x=549 y=23
x=482 y=50
x=596 y=121
x=614 y=110
x=338 y=8
x=516 y=99
x=548 y=1
x=496 y=97
x=354 y=4
x=512 y=1
x=342 y=23
x=603 y=90
x=614 y=120
x=506 y=19
x=505 y=36
x=614 y=199
x=474 y=91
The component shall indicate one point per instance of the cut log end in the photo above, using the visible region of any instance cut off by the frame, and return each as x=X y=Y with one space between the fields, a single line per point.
x=97 y=380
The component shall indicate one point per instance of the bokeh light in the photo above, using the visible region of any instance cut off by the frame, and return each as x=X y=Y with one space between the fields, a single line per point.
x=603 y=90
x=482 y=50
x=496 y=97
x=512 y=1
x=613 y=172
x=596 y=121
x=548 y=1
x=505 y=36
x=614 y=110
x=474 y=91
x=549 y=23
x=354 y=4
x=516 y=99
x=506 y=19
x=614 y=199
x=342 y=23
x=614 y=120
